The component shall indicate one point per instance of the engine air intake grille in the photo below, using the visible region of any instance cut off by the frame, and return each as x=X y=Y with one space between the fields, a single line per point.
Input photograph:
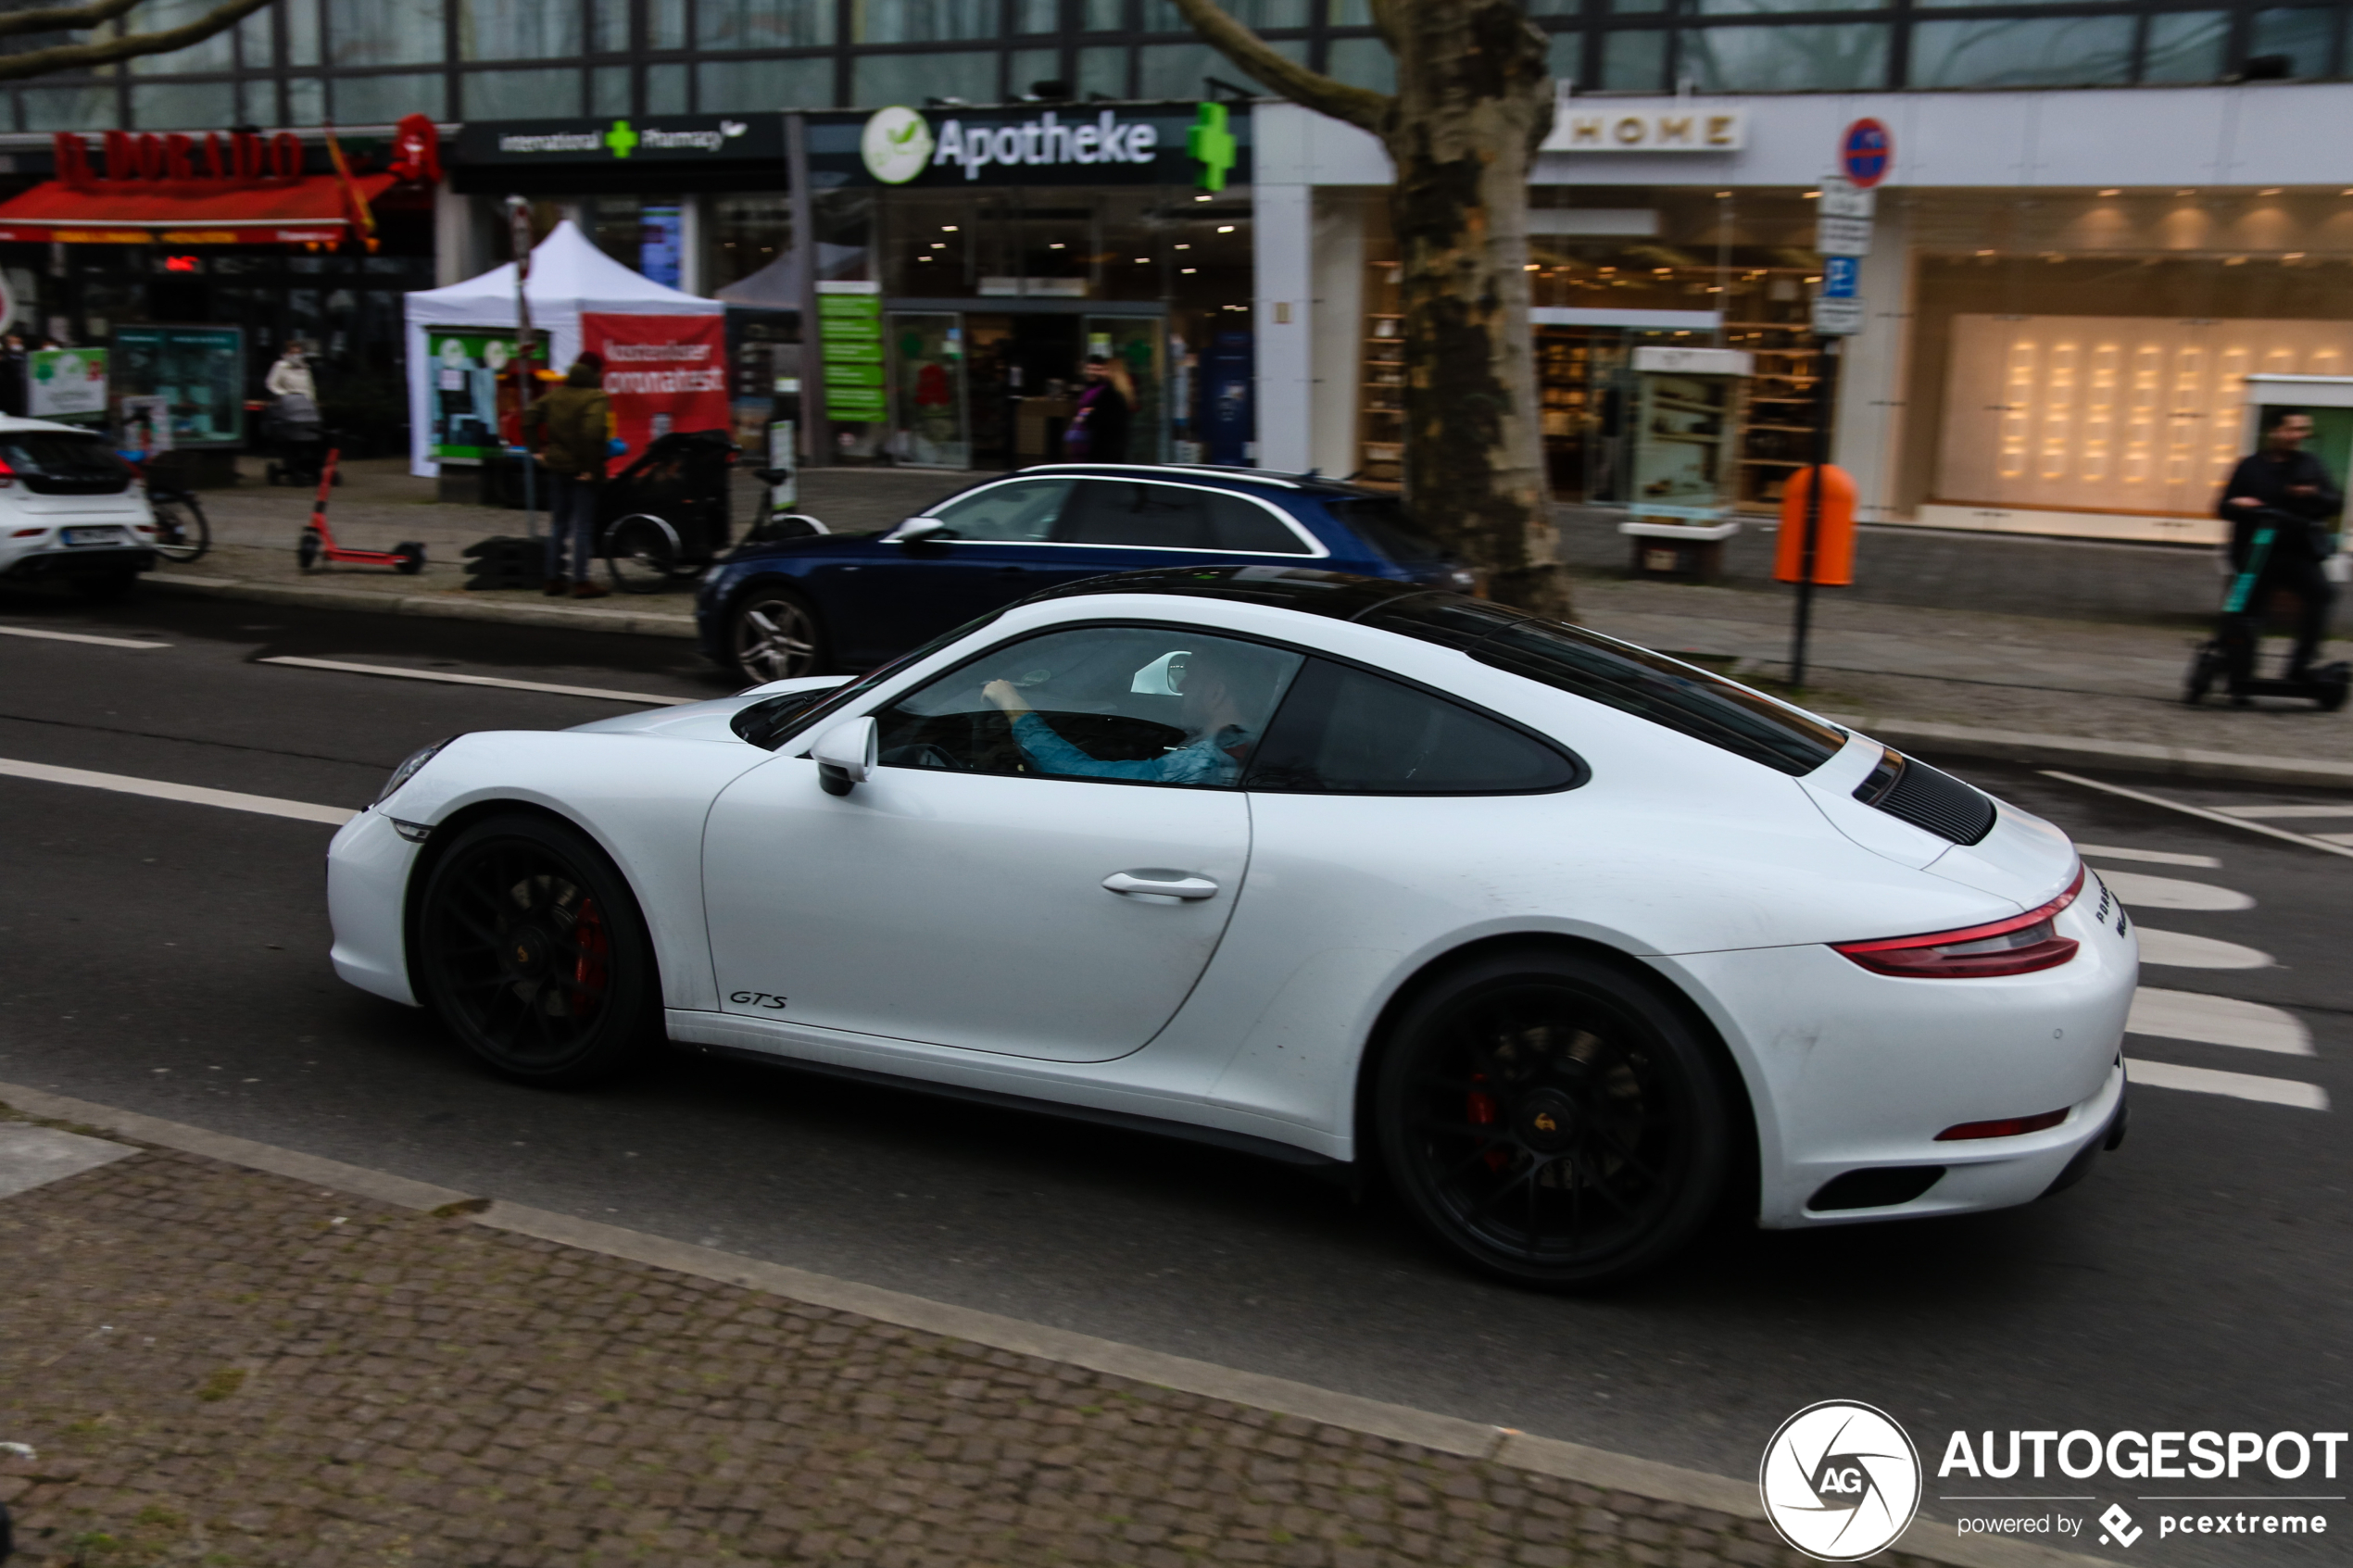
x=1927 y=797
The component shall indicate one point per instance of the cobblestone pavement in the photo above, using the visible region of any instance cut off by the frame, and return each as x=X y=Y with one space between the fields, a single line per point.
x=216 y=1366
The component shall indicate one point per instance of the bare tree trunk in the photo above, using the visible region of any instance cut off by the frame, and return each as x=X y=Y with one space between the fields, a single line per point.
x=1473 y=100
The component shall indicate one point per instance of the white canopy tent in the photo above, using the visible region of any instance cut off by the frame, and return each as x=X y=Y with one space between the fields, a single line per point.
x=569 y=275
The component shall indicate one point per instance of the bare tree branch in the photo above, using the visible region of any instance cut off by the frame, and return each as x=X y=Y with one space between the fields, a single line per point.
x=73 y=57
x=1358 y=106
x=62 y=19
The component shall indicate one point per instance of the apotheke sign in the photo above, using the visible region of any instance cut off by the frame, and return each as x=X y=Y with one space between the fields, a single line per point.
x=1068 y=145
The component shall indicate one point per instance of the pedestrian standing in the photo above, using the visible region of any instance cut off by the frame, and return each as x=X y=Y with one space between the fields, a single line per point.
x=569 y=432
x=14 y=385
x=2282 y=478
x=290 y=372
x=1098 y=431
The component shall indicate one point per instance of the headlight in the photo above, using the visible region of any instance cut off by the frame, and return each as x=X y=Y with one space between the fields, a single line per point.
x=408 y=769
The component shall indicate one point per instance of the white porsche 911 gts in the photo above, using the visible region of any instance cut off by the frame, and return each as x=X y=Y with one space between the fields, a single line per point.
x=1577 y=942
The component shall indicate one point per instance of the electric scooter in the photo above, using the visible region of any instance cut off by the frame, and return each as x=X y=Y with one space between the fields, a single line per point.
x=318 y=541
x=2231 y=655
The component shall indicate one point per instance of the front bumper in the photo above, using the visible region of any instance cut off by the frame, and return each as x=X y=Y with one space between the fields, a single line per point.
x=91 y=560
x=368 y=867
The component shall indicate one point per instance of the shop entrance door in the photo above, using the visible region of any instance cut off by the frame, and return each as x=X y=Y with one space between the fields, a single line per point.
x=930 y=427
x=1140 y=344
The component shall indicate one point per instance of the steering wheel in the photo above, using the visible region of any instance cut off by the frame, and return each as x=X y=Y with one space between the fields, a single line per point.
x=922 y=754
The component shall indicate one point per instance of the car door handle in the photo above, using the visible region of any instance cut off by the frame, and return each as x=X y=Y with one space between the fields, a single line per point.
x=1165 y=885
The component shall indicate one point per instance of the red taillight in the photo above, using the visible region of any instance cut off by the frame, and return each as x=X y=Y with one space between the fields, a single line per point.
x=2009 y=1127
x=27 y=532
x=2020 y=944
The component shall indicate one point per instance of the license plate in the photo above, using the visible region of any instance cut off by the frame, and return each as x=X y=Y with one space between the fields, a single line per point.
x=93 y=536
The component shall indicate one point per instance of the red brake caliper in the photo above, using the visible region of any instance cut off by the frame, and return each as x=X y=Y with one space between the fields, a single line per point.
x=588 y=968
x=1480 y=1107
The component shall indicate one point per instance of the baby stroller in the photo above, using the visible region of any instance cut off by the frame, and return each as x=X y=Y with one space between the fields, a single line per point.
x=2231 y=655
x=296 y=440
x=666 y=515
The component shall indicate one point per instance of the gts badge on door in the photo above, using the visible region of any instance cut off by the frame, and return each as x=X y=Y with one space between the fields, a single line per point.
x=763 y=1000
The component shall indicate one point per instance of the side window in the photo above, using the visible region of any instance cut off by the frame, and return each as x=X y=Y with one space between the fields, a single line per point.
x=1237 y=523
x=1022 y=512
x=1345 y=732
x=1119 y=512
x=1146 y=705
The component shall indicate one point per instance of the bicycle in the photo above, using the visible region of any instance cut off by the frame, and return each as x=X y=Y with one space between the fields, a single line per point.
x=181 y=530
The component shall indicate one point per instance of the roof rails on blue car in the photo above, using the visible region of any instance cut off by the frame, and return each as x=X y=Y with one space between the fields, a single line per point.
x=1261 y=476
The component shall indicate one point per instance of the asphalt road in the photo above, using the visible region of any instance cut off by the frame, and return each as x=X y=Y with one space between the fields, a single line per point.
x=170 y=958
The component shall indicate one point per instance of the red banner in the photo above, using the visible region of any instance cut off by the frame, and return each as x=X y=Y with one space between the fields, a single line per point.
x=663 y=373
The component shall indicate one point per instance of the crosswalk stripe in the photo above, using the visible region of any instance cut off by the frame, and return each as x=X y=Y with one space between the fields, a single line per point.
x=2237 y=1085
x=2142 y=891
x=2179 y=950
x=2216 y=1020
x=451 y=678
x=2151 y=857
x=2285 y=812
x=194 y=794
x=80 y=637
x=2306 y=839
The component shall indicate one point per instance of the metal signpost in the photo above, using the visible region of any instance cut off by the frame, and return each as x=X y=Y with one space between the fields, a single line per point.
x=519 y=228
x=1842 y=236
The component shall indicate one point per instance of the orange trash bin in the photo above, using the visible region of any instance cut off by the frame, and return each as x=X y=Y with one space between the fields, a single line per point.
x=1834 y=530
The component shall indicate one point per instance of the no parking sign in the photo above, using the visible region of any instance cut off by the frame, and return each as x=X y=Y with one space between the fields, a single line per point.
x=1866 y=153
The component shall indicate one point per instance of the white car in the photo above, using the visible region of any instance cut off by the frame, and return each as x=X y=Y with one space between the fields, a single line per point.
x=1576 y=942
x=71 y=510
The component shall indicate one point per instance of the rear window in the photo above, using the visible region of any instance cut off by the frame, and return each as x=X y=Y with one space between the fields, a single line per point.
x=1630 y=679
x=52 y=462
x=1382 y=523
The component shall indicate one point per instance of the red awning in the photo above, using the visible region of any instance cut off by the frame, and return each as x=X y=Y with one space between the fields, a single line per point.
x=305 y=211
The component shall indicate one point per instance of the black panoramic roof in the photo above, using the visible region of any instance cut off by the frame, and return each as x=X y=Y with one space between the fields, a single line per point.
x=1343 y=595
x=1307 y=484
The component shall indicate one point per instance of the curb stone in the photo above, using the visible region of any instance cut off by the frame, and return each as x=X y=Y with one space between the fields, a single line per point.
x=1598 y=1468
x=644 y=623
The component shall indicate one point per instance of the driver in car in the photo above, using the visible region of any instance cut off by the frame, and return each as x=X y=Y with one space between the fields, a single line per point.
x=1218 y=741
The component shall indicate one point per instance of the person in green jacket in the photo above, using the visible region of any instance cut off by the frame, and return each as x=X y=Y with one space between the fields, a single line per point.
x=570 y=430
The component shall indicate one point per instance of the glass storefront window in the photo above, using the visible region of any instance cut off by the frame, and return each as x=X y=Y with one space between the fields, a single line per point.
x=608 y=25
x=300 y=19
x=1160 y=16
x=258 y=100
x=1845 y=56
x=665 y=24
x=2306 y=34
x=307 y=101
x=2185 y=47
x=763 y=24
x=1635 y=60
x=1104 y=15
x=911 y=79
x=666 y=89
x=1565 y=57
x=256 y=44
x=1102 y=70
x=755 y=86
x=1025 y=68
x=216 y=53
x=743 y=234
x=608 y=89
x=2022 y=52
x=1175 y=71
x=381 y=100
x=68 y=109
x=368 y=32
x=522 y=95
x=518 y=30
x=1364 y=62
x=1037 y=15
x=182 y=106
x=928 y=408
x=920 y=21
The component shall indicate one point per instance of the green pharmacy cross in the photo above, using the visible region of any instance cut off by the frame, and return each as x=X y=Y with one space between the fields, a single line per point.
x=1210 y=145
x=621 y=139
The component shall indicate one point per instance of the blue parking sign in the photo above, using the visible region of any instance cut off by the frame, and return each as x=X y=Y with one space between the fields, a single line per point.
x=1840 y=274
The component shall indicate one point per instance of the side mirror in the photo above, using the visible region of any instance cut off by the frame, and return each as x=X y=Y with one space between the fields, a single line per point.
x=919 y=528
x=845 y=756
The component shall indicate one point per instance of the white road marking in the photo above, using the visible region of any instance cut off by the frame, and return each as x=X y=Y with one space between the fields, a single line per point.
x=2172 y=893
x=194 y=794
x=2199 y=812
x=80 y=637
x=2283 y=812
x=2177 y=949
x=2216 y=1020
x=2335 y=837
x=451 y=678
x=2238 y=1086
x=2150 y=857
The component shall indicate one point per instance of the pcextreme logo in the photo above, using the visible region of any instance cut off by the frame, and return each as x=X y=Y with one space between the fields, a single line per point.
x=1840 y=1481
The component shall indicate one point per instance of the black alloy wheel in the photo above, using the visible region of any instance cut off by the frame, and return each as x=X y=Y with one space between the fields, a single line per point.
x=531 y=950
x=775 y=635
x=1553 y=1118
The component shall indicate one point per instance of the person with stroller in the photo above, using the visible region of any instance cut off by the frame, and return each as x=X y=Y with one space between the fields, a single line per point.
x=2284 y=486
x=570 y=430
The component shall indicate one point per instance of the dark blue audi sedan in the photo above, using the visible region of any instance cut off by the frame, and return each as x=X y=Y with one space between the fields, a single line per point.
x=809 y=606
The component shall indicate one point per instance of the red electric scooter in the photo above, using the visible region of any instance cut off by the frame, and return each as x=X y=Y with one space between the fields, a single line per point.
x=319 y=540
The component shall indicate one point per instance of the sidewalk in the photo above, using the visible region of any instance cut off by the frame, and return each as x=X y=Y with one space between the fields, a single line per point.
x=214 y=1364
x=1912 y=653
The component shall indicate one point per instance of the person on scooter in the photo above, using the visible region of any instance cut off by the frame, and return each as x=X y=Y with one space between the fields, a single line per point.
x=2282 y=478
x=570 y=431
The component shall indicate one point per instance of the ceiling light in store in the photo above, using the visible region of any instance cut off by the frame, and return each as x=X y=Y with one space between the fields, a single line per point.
x=1183 y=248
x=2235 y=261
x=1056 y=245
x=1143 y=261
x=2293 y=256
x=2113 y=190
x=1984 y=253
x=1812 y=195
x=2269 y=191
x=1225 y=227
x=1200 y=198
x=1664 y=271
x=948 y=227
x=1188 y=271
x=1723 y=195
x=939 y=244
x=1608 y=270
x=1814 y=280
x=2185 y=192
x=1535 y=266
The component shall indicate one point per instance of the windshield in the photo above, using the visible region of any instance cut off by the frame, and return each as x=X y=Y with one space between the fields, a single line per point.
x=774 y=721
